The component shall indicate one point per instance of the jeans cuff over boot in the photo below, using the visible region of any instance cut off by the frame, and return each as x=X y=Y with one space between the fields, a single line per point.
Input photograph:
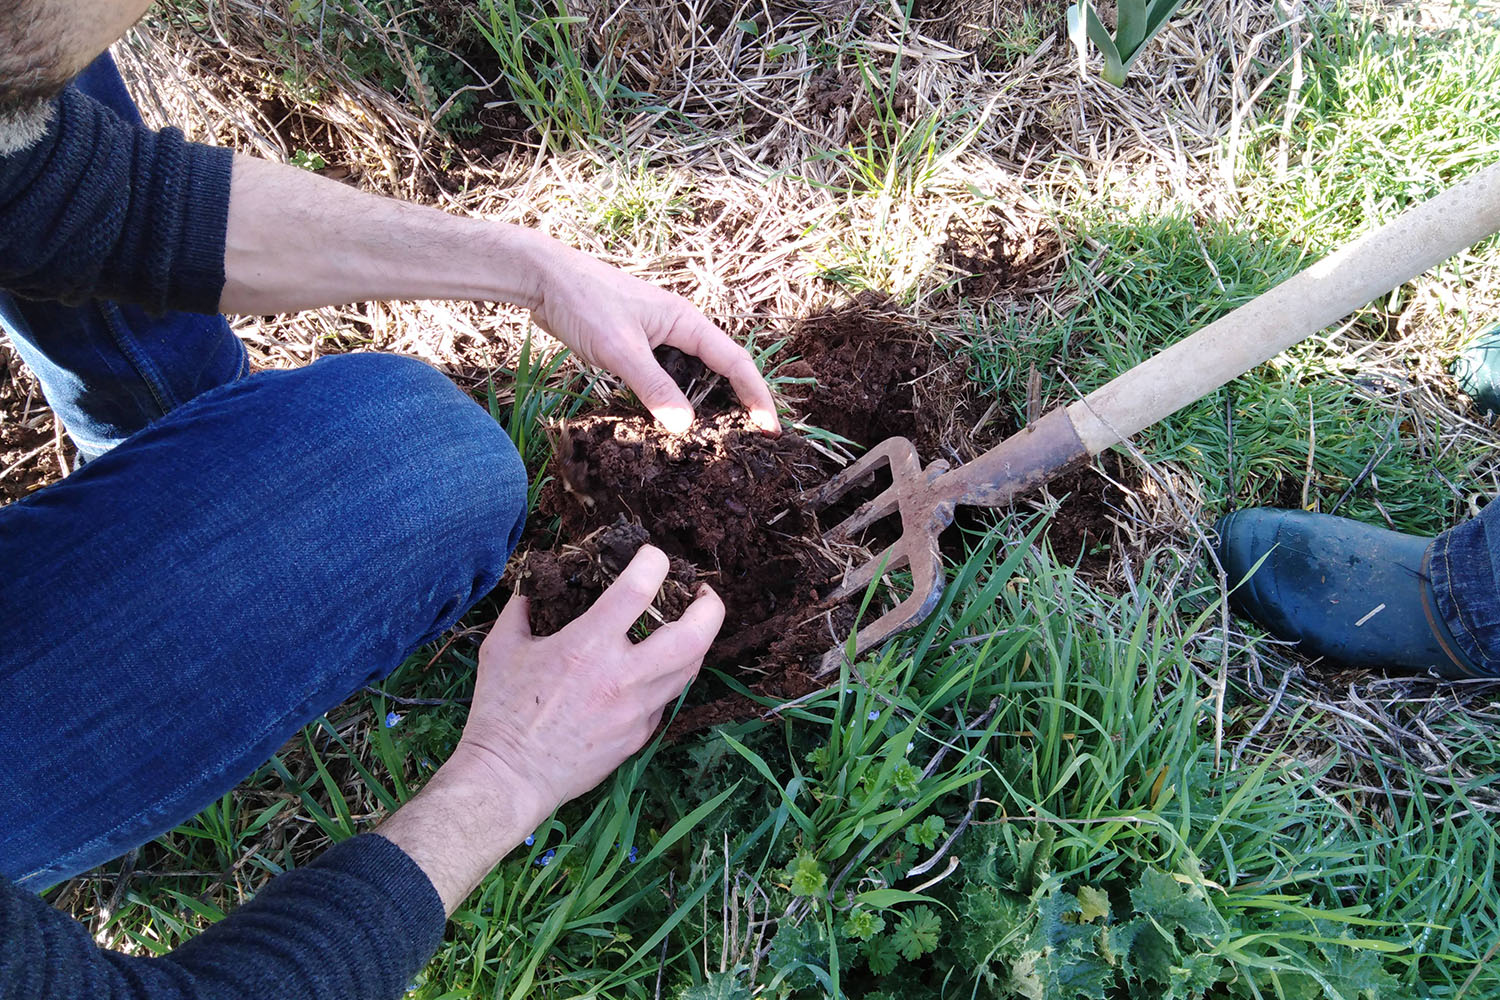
x=1464 y=568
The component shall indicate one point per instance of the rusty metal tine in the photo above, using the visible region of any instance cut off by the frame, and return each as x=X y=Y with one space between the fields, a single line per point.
x=928 y=577
x=858 y=578
x=887 y=452
x=867 y=514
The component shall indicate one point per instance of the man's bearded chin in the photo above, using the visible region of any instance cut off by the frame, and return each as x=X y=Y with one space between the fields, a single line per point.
x=27 y=104
x=24 y=122
x=31 y=77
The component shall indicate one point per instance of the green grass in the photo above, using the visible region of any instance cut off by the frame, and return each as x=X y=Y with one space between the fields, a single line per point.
x=1143 y=284
x=1072 y=728
x=1387 y=116
x=639 y=208
x=538 y=45
x=418 y=52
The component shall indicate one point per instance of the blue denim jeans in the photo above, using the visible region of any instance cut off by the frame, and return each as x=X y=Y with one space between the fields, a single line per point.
x=1464 y=567
x=178 y=608
x=239 y=555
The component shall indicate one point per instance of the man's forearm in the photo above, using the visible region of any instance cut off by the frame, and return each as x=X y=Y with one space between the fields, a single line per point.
x=462 y=823
x=300 y=241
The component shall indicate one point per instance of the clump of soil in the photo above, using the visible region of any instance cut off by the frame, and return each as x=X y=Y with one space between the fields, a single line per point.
x=880 y=374
x=723 y=499
x=828 y=90
x=564 y=583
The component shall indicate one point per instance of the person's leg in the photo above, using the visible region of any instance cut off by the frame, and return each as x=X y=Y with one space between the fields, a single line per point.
x=1350 y=592
x=1477 y=371
x=1464 y=566
x=108 y=370
x=1364 y=596
x=178 y=608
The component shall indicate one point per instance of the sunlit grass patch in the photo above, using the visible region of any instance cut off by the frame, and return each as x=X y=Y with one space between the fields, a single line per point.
x=1389 y=111
x=568 y=97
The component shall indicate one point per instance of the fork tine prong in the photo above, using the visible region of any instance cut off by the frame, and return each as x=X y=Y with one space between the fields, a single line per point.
x=928 y=576
x=927 y=579
x=857 y=579
x=868 y=513
x=892 y=451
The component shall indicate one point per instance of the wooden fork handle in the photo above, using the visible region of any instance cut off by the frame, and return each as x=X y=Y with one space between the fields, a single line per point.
x=1418 y=239
x=1257 y=331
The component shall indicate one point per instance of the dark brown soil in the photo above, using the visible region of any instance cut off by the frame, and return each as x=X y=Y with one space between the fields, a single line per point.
x=564 y=583
x=724 y=502
x=880 y=374
x=991 y=257
x=1082 y=531
x=722 y=498
x=829 y=90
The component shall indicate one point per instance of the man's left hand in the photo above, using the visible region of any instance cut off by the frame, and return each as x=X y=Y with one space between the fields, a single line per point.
x=613 y=320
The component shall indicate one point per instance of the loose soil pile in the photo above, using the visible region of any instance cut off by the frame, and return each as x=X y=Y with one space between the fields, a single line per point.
x=880 y=374
x=564 y=583
x=723 y=500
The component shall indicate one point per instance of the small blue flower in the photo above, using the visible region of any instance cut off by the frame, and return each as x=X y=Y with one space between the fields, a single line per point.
x=910 y=747
x=392 y=720
x=874 y=714
x=426 y=763
x=634 y=855
x=531 y=840
x=545 y=859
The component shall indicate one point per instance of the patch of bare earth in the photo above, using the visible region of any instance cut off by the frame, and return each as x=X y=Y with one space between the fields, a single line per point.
x=726 y=502
x=30 y=453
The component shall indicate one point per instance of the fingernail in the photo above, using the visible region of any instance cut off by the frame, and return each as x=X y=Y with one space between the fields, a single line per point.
x=675 y=420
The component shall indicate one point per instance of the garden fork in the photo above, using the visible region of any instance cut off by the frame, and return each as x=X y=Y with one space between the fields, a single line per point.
x=926 y=497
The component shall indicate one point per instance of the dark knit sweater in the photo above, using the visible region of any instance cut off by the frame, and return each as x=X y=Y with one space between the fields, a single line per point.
x=101 y=208
x=357 y=924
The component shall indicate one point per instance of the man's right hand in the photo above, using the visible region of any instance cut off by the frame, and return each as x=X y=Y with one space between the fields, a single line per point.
x=551 y=718
x=556 y=715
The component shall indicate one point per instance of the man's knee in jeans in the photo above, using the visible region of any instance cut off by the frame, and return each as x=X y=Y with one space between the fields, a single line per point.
x=459 y=479
x=470 y=469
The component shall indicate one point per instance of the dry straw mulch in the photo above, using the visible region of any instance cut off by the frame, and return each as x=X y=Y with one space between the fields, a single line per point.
x=760 y=208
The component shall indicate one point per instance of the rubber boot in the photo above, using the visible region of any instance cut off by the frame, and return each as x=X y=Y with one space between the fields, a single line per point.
x=1477 y=371
x=1345 y=591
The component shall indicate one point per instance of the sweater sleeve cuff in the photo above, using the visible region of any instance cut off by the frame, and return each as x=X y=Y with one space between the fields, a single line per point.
x=198 y=277
x=414 y=902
